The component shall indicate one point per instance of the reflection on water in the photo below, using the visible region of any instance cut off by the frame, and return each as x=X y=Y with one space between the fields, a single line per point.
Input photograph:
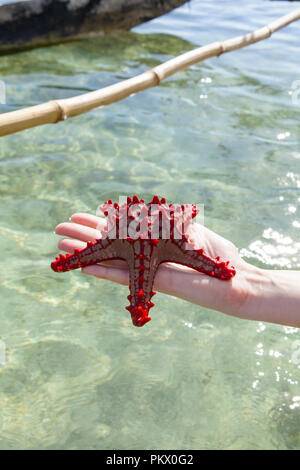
x=224 y=133
x=278 y=250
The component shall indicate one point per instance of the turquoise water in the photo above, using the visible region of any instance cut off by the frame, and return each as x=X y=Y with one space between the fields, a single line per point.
x=224 y=133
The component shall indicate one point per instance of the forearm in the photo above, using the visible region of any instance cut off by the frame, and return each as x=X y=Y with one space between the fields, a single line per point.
x=273 y=296
x=253 y=294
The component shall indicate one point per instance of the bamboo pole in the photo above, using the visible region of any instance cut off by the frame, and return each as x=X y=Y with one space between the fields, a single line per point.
x=58 y=110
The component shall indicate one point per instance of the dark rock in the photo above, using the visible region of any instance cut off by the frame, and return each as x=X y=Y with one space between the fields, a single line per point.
x=33 y=23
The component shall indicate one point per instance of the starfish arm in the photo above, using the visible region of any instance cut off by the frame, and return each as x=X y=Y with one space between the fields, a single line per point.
x=176 y=252
x=95 y=252
x=142 y=271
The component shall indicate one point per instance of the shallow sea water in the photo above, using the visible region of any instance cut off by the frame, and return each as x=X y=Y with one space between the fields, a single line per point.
x=224 y=133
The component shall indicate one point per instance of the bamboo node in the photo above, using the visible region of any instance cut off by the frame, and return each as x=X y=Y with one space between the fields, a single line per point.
x=222 y=48
x=156 y=75
x=62 y=116
x=270 y=31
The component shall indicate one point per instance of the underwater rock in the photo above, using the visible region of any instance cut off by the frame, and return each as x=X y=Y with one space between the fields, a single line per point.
x=33 y=23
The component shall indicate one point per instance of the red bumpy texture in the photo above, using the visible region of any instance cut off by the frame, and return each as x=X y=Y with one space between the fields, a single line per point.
x=145 y=235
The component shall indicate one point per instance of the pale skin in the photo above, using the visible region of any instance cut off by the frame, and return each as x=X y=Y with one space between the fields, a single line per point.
x=253 y=293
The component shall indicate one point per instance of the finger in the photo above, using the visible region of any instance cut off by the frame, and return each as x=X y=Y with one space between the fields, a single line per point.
x=117 y=271
x=80 y=232
x=119 y=275
x=89 y=220
x=170 y=280
x=69 y=245
x=163 y=273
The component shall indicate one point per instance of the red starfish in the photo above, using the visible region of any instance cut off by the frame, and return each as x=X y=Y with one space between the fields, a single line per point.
x=145 y=235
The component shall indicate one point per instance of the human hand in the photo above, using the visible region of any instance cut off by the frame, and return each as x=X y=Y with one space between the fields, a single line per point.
x=173 y=279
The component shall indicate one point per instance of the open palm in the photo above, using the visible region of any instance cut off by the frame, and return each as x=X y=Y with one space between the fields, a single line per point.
x=172 y=279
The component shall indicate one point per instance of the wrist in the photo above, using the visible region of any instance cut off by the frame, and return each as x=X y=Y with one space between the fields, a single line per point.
x=271 y=296
x=255 y=283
